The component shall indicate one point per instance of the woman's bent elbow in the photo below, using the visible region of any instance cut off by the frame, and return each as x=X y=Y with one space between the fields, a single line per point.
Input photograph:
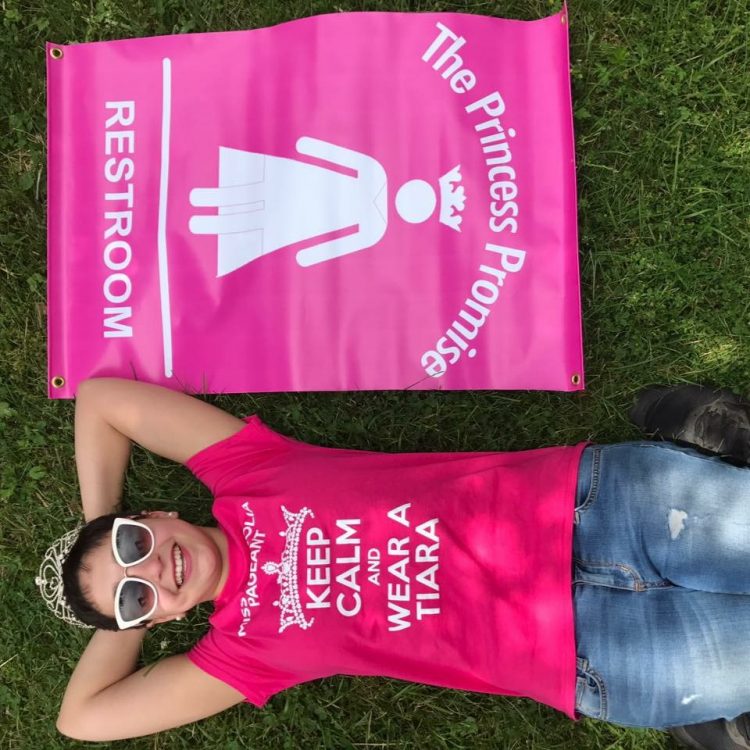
x=74 y=729
x=67 y=728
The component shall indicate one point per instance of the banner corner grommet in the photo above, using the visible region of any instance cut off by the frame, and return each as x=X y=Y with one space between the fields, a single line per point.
x=57 y=381
x=56 y=53
x=575 y=378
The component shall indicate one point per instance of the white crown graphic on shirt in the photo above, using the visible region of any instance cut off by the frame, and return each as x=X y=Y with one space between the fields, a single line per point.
x=289 y=604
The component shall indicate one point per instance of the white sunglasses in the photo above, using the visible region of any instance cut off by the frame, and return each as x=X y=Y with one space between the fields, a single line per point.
x=135 y=598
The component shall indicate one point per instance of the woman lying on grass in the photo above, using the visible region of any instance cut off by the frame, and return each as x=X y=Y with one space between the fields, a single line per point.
x=451 y=569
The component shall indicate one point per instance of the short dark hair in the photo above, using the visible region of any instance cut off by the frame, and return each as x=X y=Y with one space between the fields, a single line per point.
x=91 y=536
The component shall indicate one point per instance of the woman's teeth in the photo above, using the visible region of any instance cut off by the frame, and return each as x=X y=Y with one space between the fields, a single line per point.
x=179 y=565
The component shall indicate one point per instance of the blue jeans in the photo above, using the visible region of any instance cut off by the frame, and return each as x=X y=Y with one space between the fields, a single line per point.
x=661 y=586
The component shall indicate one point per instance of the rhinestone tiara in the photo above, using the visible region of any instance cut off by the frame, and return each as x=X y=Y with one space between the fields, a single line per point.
x=49 y=579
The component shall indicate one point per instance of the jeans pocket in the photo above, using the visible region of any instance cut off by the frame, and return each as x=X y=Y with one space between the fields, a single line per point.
x=589 y=471
x=591 y=693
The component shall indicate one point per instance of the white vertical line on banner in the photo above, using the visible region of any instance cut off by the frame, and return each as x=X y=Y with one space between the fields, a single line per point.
x=166 y=118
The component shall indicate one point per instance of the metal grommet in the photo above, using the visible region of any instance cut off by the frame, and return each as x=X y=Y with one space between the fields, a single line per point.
x=563 y=18
x=58 y=381
x=56 y=53
x=576 y=379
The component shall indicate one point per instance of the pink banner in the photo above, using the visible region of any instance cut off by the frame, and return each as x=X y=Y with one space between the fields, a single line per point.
x=352 y=201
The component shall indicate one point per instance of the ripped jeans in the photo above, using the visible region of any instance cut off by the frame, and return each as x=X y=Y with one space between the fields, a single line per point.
x=661 y=586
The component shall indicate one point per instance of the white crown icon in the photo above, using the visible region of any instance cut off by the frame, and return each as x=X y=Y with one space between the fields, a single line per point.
x=289 y=604
x=451 y=199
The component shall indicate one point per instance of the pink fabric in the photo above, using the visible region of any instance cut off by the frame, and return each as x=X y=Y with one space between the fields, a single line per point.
x=226 y=210
x=451 y=569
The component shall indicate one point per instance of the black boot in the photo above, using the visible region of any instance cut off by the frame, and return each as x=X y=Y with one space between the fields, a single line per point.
x=715 y=735
x=714 y=420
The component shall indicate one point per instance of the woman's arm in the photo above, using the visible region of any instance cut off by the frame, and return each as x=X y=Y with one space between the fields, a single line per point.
x=110 y=413
x=107 y=700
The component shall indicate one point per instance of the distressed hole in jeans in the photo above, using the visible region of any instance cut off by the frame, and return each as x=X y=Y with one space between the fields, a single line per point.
x=677 y=520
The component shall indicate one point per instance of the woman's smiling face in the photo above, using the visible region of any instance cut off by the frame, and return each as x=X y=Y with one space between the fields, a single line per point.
x=187 y=566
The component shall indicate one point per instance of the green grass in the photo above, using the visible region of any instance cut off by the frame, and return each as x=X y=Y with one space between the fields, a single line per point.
x=663 y=142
